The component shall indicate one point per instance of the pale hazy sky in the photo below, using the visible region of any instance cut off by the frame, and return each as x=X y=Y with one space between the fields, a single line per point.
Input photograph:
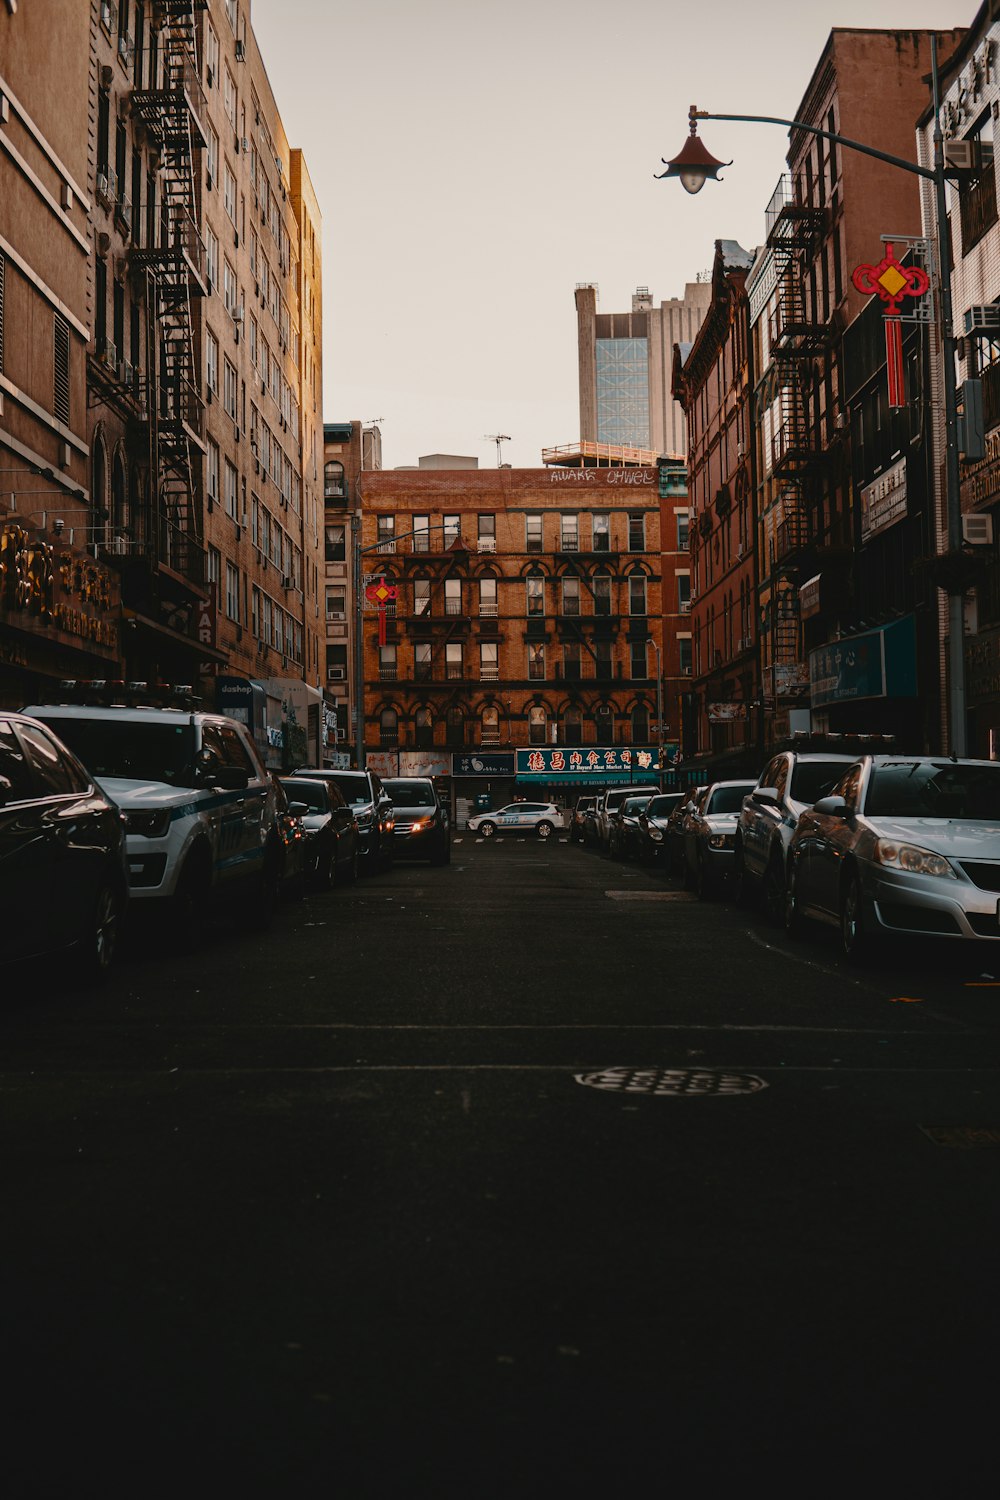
x=473 y=163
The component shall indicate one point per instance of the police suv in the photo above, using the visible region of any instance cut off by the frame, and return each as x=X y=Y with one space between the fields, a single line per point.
x=199 y=805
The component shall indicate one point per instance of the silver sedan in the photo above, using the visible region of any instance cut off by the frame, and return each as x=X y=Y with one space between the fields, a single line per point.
x=710 y=835
x=905 y=845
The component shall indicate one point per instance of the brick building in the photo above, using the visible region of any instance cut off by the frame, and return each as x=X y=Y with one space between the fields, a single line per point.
x=349 y=448
x=528 y=604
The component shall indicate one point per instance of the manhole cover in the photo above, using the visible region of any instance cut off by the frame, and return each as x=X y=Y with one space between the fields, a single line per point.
x=689 y=1082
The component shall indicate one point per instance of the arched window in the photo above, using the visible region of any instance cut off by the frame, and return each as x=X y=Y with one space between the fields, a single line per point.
x=640 y=724
x=536 y=726
x=604 y=722
x=455 y=727
x=334 y=487
x=99 y=488
x=119 y=499
x=388 y=727
x=490 y=726
x=572 y=727
x=137 y=505
x=424 y=729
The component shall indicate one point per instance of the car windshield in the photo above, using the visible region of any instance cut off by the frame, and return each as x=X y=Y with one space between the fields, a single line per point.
x=355 y=789
x=312 y=793
x=934 y=789
x=812 y=779
x=135 y=751
x=660 y=806
x=729 y=799
x=634 y=805
x=410 y=793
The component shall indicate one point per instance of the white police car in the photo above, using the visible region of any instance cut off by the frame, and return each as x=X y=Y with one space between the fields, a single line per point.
x=199 y=805
x=539 y=818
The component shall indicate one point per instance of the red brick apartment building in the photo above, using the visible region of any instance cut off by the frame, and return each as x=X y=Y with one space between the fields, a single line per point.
x=528 y=605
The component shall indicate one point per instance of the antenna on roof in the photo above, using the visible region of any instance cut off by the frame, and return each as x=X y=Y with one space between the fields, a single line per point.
x=498 y=438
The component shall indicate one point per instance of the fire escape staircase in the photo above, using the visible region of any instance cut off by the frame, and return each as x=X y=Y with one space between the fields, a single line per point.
x=172 y=114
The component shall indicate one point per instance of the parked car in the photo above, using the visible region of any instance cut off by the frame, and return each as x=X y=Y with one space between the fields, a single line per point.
x=608 y=803
x=591 y=825
x=673 y=833
x=63 y=874
x=653 y=824
x=422 y=829
x=901 y=844
x=332 y=839
x=710 y=835
x=292 y=832
x=372 y=806
x=200 y=807
x=623 y=836
x=578 y=817
x=541 y=818
x=790 y=782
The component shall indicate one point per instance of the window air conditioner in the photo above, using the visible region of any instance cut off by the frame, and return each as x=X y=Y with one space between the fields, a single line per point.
x=336 y=674
x=977 y=530
x=486 y=544
x=960 y=155
x=982 y=319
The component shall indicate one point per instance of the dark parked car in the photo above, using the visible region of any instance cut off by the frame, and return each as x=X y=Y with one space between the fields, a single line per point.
x=372 y=806
x=623 y=826
x=63 y=875
x=331 y=830
x=422 y=824
x=673 y=833
x=653 y=824
x=292 y=837
x=578 y=818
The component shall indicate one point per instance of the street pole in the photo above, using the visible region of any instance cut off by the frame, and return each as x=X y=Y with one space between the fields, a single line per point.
x=659 y=715
x=359 y=646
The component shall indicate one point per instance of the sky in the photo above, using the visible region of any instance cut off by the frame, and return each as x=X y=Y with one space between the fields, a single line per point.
x=474 y=163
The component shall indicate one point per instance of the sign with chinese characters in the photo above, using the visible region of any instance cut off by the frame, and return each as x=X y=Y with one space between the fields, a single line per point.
x=964 y=99
x=60 y=593
x=485 y=763
x=879 y=664
x=603 y=765
x=883 y=502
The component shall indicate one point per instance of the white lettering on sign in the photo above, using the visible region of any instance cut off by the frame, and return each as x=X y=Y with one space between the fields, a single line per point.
x=613 y=477
x=883 y=502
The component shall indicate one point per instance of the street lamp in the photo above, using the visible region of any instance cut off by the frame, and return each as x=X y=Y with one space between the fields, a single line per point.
x=659 y=714
x=695 y=165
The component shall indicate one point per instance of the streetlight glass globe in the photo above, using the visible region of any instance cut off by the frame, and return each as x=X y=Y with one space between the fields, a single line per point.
x=692 y=180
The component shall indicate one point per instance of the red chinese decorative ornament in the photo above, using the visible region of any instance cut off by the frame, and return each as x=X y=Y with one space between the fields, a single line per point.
x=892 y=282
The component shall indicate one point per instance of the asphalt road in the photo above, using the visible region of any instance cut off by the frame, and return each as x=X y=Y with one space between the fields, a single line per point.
x=526 y=1176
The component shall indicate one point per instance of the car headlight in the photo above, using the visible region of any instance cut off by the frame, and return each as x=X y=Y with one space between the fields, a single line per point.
x=365 y=820
x=912 y=858
x=655 y=835
x=420 y=823
x=148 y=825
x=720 y=841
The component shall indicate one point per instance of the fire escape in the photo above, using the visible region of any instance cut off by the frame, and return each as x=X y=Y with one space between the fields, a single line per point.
x=797 y=339
x=174 y=264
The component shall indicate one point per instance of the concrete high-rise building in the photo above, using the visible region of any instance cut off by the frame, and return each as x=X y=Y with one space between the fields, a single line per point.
x=625 y=363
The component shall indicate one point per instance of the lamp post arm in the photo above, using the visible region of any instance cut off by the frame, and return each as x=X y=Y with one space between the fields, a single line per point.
x=828 y=135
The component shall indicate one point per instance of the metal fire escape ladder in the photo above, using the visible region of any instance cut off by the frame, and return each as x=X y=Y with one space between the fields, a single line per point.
x=171 y=114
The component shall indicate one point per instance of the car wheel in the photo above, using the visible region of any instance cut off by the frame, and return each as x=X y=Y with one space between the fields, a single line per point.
x=703 y=883
x=855 y=940
x=774 y=892
x=793 y=916
x=544 y=830
x=487 y=830
x=191 y=898
x=100 y=942
x=326 y=869
x=353 y=870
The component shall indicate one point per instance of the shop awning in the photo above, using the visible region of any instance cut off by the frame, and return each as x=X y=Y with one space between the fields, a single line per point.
x=587 y=778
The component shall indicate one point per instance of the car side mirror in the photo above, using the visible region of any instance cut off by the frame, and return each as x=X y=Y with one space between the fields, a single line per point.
x=833 y=807
x=298 y=809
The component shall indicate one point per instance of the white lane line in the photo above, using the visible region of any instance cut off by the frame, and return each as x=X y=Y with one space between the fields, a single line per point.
x=650 y=896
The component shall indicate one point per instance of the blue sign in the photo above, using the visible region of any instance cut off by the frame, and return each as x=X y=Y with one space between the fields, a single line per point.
x=600 y=765
x=879 y=664
x=482 y=764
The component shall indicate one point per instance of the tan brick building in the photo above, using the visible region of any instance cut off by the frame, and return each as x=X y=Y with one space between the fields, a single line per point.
x=528 y=602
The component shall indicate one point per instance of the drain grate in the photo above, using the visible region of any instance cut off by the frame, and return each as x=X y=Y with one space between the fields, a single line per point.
x=690 y=1083
x=963 y=1136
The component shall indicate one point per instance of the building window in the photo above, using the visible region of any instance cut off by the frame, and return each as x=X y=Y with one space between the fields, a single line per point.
x=978 y=195
x=229 y=389
x=229 y=97
x=571 y=660
x=423 y=729
x=602 y=654
x=211 y=361
x=453 y=596
x=387 y=663
x=60 y=398
x=421 y=533
x=336 y=602
x=572 y=727
x=490 y=726
x=602 y=532
x=682 y=526
x=639 y=665
x=637 y=594
x=536 y=662
x=569 y=533
x=229 y=193
x=571 y=595
x=602 y=594
x=232 y=489
x=232 y=592
x=386 y=533
x=536 y=726
x=335 y=543
x=388 y=727
x=229 y=288
x=454 y=667
x=489 y=661
x=333 y=481
x=604 y=723
x=422 y=661
x=452 y=530
x=336 y=663
x=684 y=654
x=640 y=724
x=535 y=590
x=211 y=259
x=488 y=597
x=455 y=728
x=637 y=532
x=533 y=534
x=212 y=470
x=684 y=593
x=211 y=55
x=487 y=533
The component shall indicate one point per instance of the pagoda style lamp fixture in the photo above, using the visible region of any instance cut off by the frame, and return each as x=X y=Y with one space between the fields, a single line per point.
x=694 y=165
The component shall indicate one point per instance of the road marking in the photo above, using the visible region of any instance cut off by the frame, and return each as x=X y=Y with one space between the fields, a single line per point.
x=650 y=896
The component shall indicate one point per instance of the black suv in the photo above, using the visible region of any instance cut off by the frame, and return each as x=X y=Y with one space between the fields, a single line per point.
x=422 y=824
x=371 y=805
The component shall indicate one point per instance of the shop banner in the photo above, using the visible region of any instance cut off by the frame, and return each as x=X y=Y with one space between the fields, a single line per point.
x=484 y=764
x=424 y=763
x=601 y=765
x=879 y=664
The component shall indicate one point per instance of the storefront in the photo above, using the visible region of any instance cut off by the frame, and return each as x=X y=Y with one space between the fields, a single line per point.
x=562 y=773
